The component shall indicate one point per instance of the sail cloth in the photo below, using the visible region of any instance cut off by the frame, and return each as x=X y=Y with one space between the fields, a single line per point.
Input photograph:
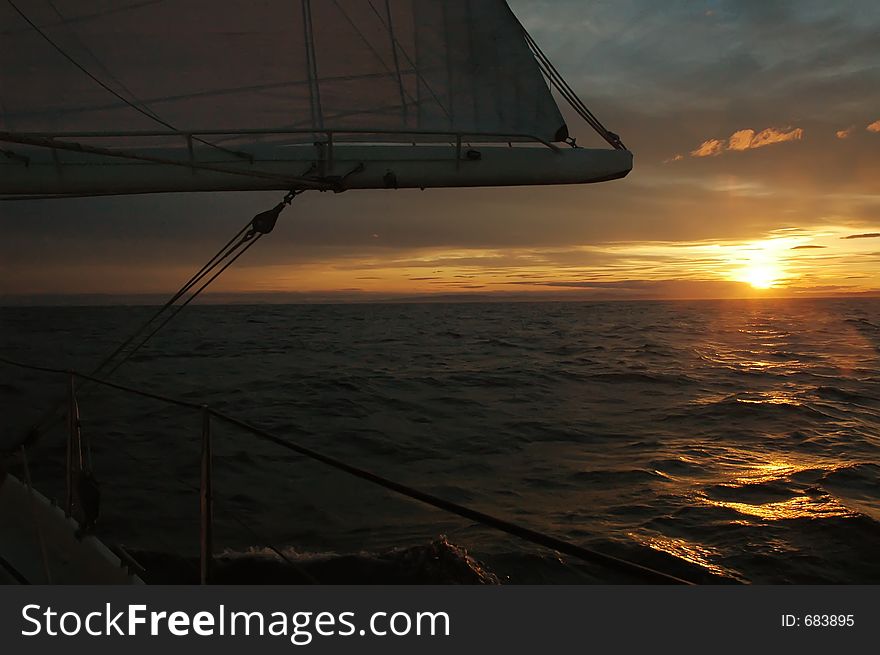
x=450 y=66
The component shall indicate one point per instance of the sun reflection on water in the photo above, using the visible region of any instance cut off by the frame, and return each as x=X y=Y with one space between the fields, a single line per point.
x=682 y=549
x=769 y=472
x=799 y=507
x=772 y=398
x=774 y=477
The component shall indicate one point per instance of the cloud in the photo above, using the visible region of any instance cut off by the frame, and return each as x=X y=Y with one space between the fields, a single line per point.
x=748 y=139
x=874 y=127
x=807 y=247
x=771 y=135
x=677 y=157
x=710 y=148
x=741 y=140
x=845 y=134
x=868 y=235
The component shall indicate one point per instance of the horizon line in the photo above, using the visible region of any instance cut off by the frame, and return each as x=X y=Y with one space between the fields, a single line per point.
x=361 y=298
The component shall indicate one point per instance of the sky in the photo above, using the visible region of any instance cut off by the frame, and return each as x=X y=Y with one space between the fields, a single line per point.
x=755 y=127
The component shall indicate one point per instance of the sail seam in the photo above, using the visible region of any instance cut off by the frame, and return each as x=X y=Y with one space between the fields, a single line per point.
x=403 y=103
x=149 y=114
x=409 y=61
x=311 y=63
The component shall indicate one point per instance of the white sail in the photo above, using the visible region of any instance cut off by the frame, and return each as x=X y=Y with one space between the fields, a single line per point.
x=451 y=66
x=241 y=81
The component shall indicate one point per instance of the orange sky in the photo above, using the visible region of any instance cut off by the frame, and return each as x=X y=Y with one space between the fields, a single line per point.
x=757 y=173
x=819 y=261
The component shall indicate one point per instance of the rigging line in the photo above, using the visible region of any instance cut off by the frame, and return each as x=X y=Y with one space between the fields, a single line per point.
x=56 y=413
x=253 y=232
x=180 y=307
x=469 y=24
x=379 y=58
x=569 y=93
x=53 y=415
x=564 y=87
x=188 y=285
x=448 y=58
x=102 y=382
x=397 y=64
x=553 y=73
x=312 y=65
x=100 y=65
x=44 y=142
x=215 y=93
x=64 y=196
x=257 y=229
x=372 y=49
x=571 y=99
x=404 y=53
x=149 y=114
x=559 y=82
x=97 y=14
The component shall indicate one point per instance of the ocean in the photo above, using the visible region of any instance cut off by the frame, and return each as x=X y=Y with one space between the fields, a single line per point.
x=721 y=441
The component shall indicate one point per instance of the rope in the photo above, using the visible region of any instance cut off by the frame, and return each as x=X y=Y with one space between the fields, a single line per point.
x=106 y=383
x=524 y=533
x=55 y=144
x=569 y=94
x=180 y=307
x=413 y=67
x=145 y=112
x=259 y=225
x=188 y=285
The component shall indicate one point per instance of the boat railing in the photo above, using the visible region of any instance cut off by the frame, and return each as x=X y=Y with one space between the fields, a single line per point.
x=328 y=139
x=206 y=487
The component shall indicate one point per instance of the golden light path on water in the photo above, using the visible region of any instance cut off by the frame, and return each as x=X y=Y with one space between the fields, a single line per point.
x=688 y=551
x=803 y=506
x=763 y=486
x=809 y=503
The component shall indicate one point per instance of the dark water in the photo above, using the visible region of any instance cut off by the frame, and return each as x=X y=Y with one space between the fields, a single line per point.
x=739 y=439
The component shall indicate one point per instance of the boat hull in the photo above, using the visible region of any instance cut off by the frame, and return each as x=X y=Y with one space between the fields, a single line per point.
x=30 y=523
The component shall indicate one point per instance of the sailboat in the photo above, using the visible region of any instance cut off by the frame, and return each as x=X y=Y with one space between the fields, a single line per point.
x=152 y=96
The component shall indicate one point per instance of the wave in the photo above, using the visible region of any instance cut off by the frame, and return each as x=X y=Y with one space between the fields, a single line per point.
x=617 y=477
x=844 y=395
x=440 y=562
x=641 y=378
x=594 y=419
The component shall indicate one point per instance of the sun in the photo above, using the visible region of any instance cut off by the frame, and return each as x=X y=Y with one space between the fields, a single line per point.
x=759 y=264
x=761 y=275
